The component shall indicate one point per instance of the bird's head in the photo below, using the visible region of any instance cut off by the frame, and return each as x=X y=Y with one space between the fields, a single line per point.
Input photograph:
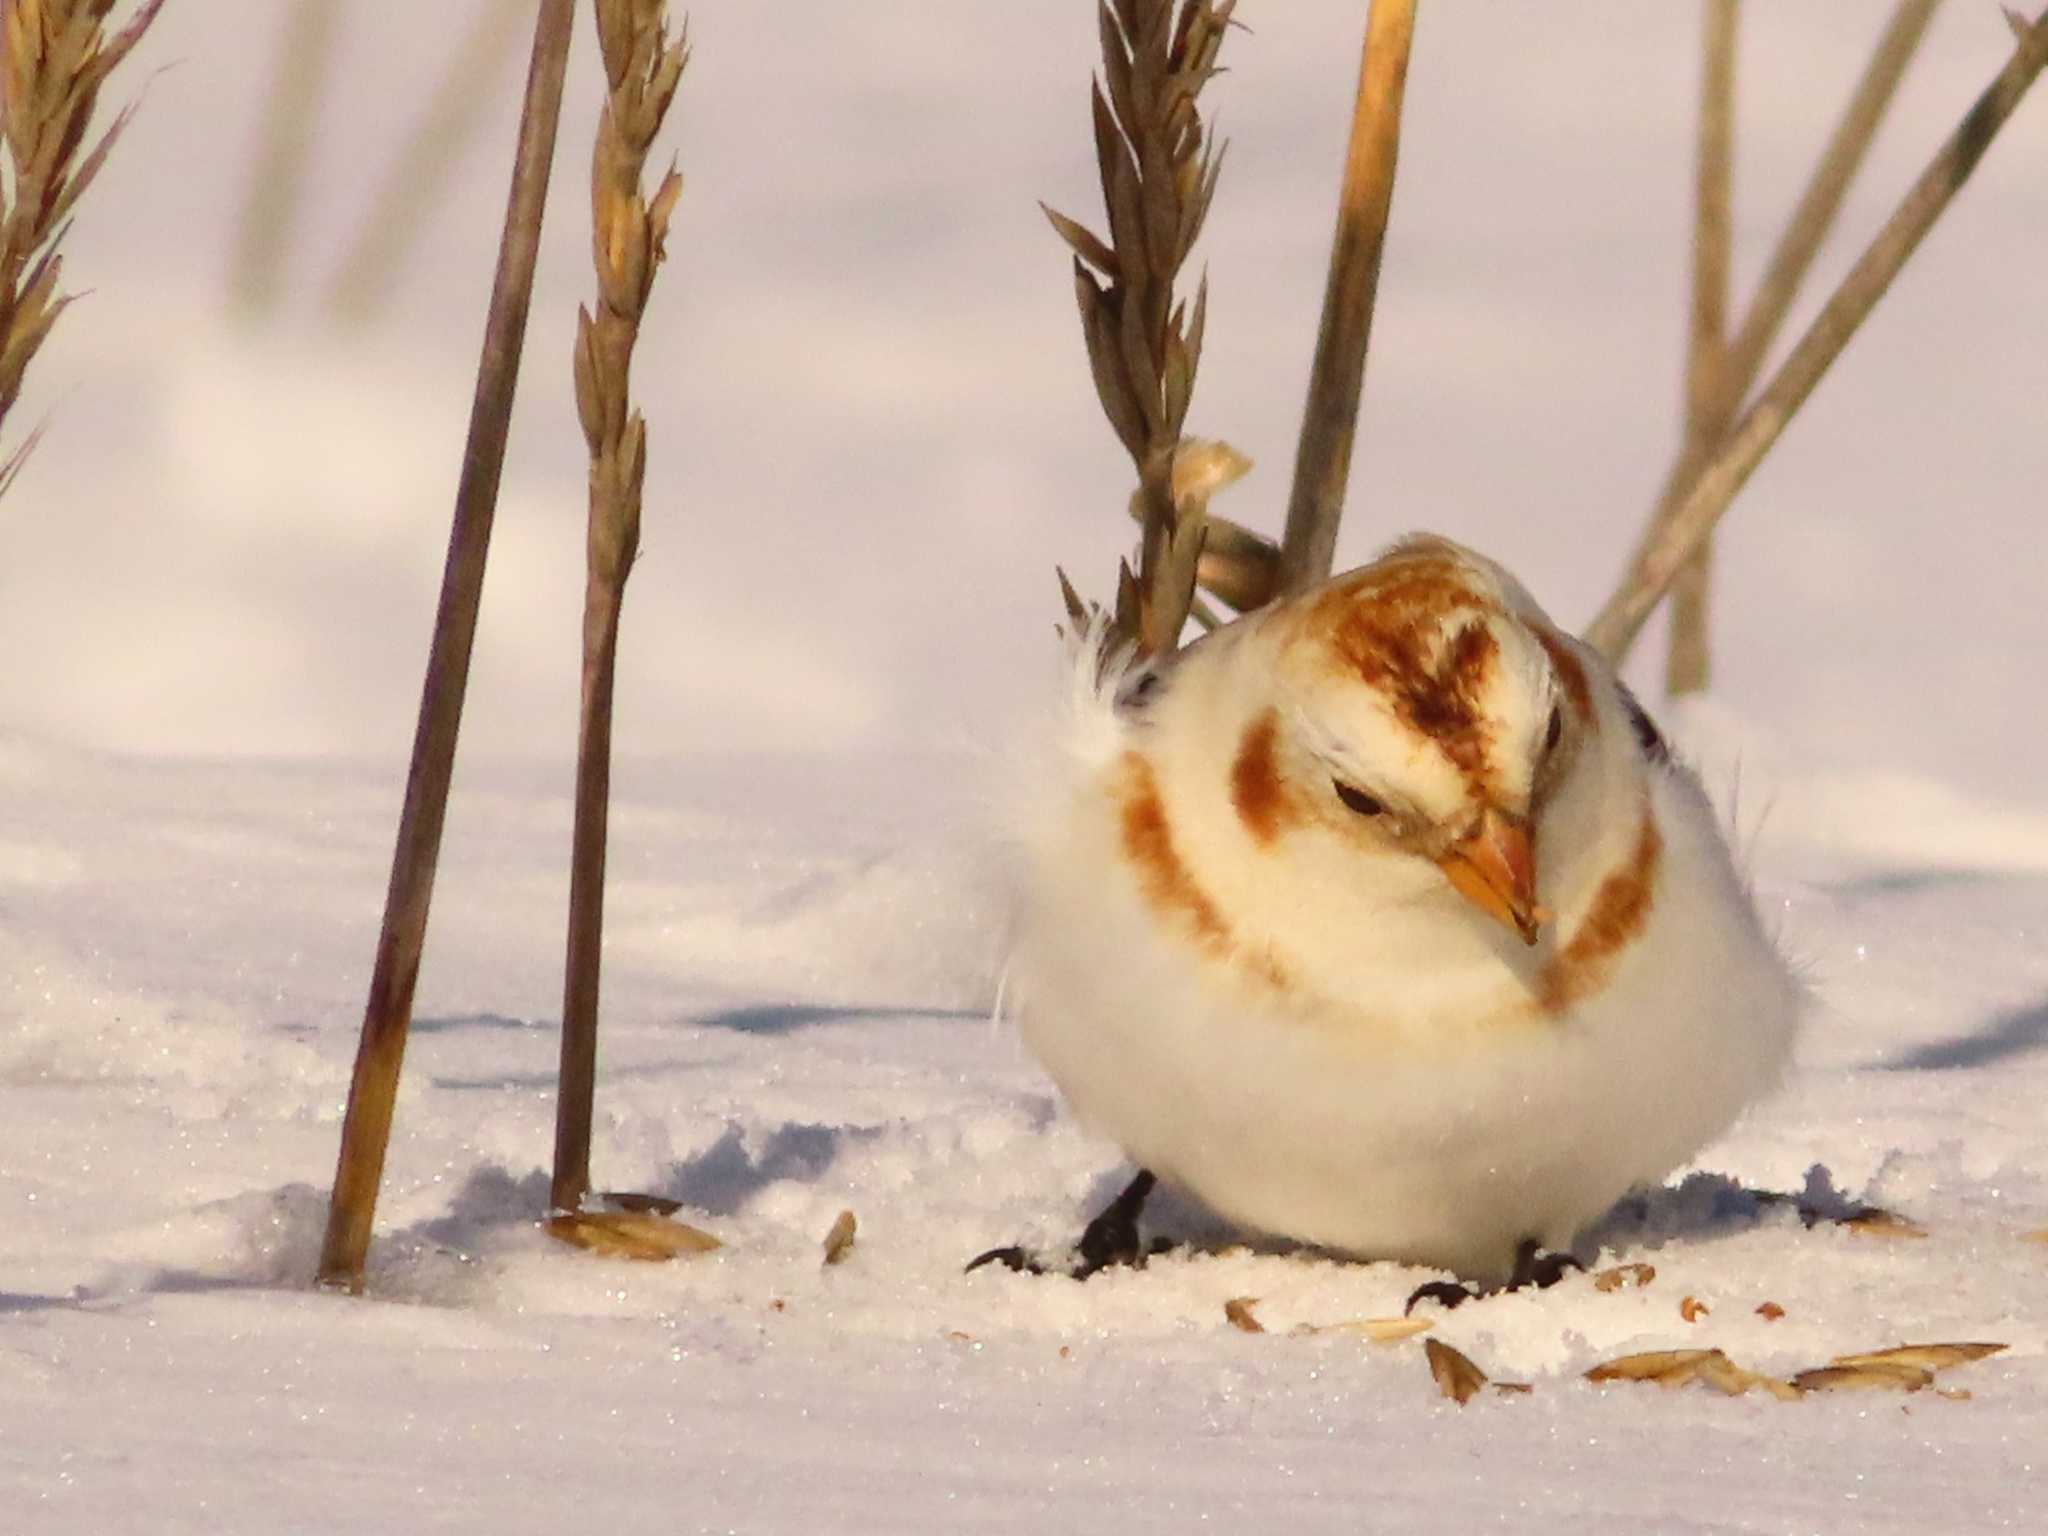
x=1421 y=707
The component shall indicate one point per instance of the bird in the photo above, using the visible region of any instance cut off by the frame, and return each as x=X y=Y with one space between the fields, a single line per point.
x=1383 y=920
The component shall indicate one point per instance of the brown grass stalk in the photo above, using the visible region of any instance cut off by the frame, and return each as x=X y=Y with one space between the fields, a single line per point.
x=1805 y=232
x=54 y=57
x=1322 y=464
x=1652 y=572
x=418 y=179
x=284 y=147
x=366 y=1127
x=1159 y=169
x=629 y=234
x=1706 y=403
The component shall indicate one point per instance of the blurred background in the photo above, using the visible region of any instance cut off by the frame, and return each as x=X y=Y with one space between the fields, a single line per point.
x=872 y=428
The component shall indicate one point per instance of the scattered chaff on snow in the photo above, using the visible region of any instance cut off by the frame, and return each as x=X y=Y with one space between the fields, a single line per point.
x=1666 y=1367
x=650 y=1236
x=1239 y=1310
x=1374 y=1330
x=1634 y=1276
x=1905 y=1368
x=839 y=1241
x=1873 y=1222
x=1927 y=1357
x=1456 y=1376
x=1884 y=1377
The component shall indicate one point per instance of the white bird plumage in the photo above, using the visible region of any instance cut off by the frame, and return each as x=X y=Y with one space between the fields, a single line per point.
x=1380 y=920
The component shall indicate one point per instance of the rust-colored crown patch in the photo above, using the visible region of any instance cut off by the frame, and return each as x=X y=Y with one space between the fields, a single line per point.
x=1399 y=632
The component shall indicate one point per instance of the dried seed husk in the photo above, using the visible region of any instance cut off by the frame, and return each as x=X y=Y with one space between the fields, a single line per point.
x=1456 y=1376
x=1378 y=1330
x=1634 y=1275
x=645 y=1235
x=1666 y=1367
x=1881 y=1223
x=1926 y=1357
x=1725 y=1376
x=1770 y=1311
x=839 y=1241
x=1876 y=1377
x=1692 y=1309
x=1239 y=1310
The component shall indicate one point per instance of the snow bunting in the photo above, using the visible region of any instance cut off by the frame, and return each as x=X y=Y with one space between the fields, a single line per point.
x=1382 y=920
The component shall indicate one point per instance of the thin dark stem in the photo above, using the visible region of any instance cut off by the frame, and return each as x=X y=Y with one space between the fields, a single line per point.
x=1706 y=404
x=417 y=183
x=1337 y=377
x=284 y=146
x=366 y=1127
x=578 y=1085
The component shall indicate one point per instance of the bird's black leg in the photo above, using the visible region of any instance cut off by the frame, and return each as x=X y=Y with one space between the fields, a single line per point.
x=1539 y=1269
x=1534 y=1268
x=1110 y=1239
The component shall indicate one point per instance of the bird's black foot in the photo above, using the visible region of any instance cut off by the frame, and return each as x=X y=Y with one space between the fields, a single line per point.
x=1111 y=1239
x=1535 y=1269
x=1539 y=1270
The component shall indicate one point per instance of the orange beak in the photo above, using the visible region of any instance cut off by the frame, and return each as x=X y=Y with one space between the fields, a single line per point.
x=1495 y=870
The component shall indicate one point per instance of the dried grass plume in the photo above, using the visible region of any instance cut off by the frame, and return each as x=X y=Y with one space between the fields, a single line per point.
x=57 y=55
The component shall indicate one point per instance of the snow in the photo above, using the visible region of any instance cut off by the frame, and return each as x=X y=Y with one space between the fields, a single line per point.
x=215 y=582
x=797 y=1023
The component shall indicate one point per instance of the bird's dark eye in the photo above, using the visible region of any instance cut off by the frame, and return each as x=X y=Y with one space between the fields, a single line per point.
x=1550 y=737
x=1357 y=799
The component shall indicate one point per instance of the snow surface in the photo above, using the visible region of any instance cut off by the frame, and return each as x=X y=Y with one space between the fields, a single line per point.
x=797 y=1023
x=215 y=584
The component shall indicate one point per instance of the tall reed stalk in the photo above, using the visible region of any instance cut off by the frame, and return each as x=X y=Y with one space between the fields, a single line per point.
x=629 y=234
x=416 y=184
x=1707 y=405
x=366 y=1127
x=284 y=149
x=1329 y=420
x=1700 y=506
x=1741 y=358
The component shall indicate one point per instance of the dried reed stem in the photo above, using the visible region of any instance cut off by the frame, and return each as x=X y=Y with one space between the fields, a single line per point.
x=1806 y=231
x=1751 y=438
x=284 y=146
x=57 y=55
x=1706 y=403
x=629 y=234
x=1329 y=423
x=1158 y=168
x=366 y=1127
x=418 y=179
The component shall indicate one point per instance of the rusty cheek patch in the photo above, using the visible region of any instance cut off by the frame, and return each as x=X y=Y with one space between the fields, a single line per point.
x=1620 y=909
x=1168 y=885
x=1262 y=802
x=1148 y=844
x=1571 y=672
